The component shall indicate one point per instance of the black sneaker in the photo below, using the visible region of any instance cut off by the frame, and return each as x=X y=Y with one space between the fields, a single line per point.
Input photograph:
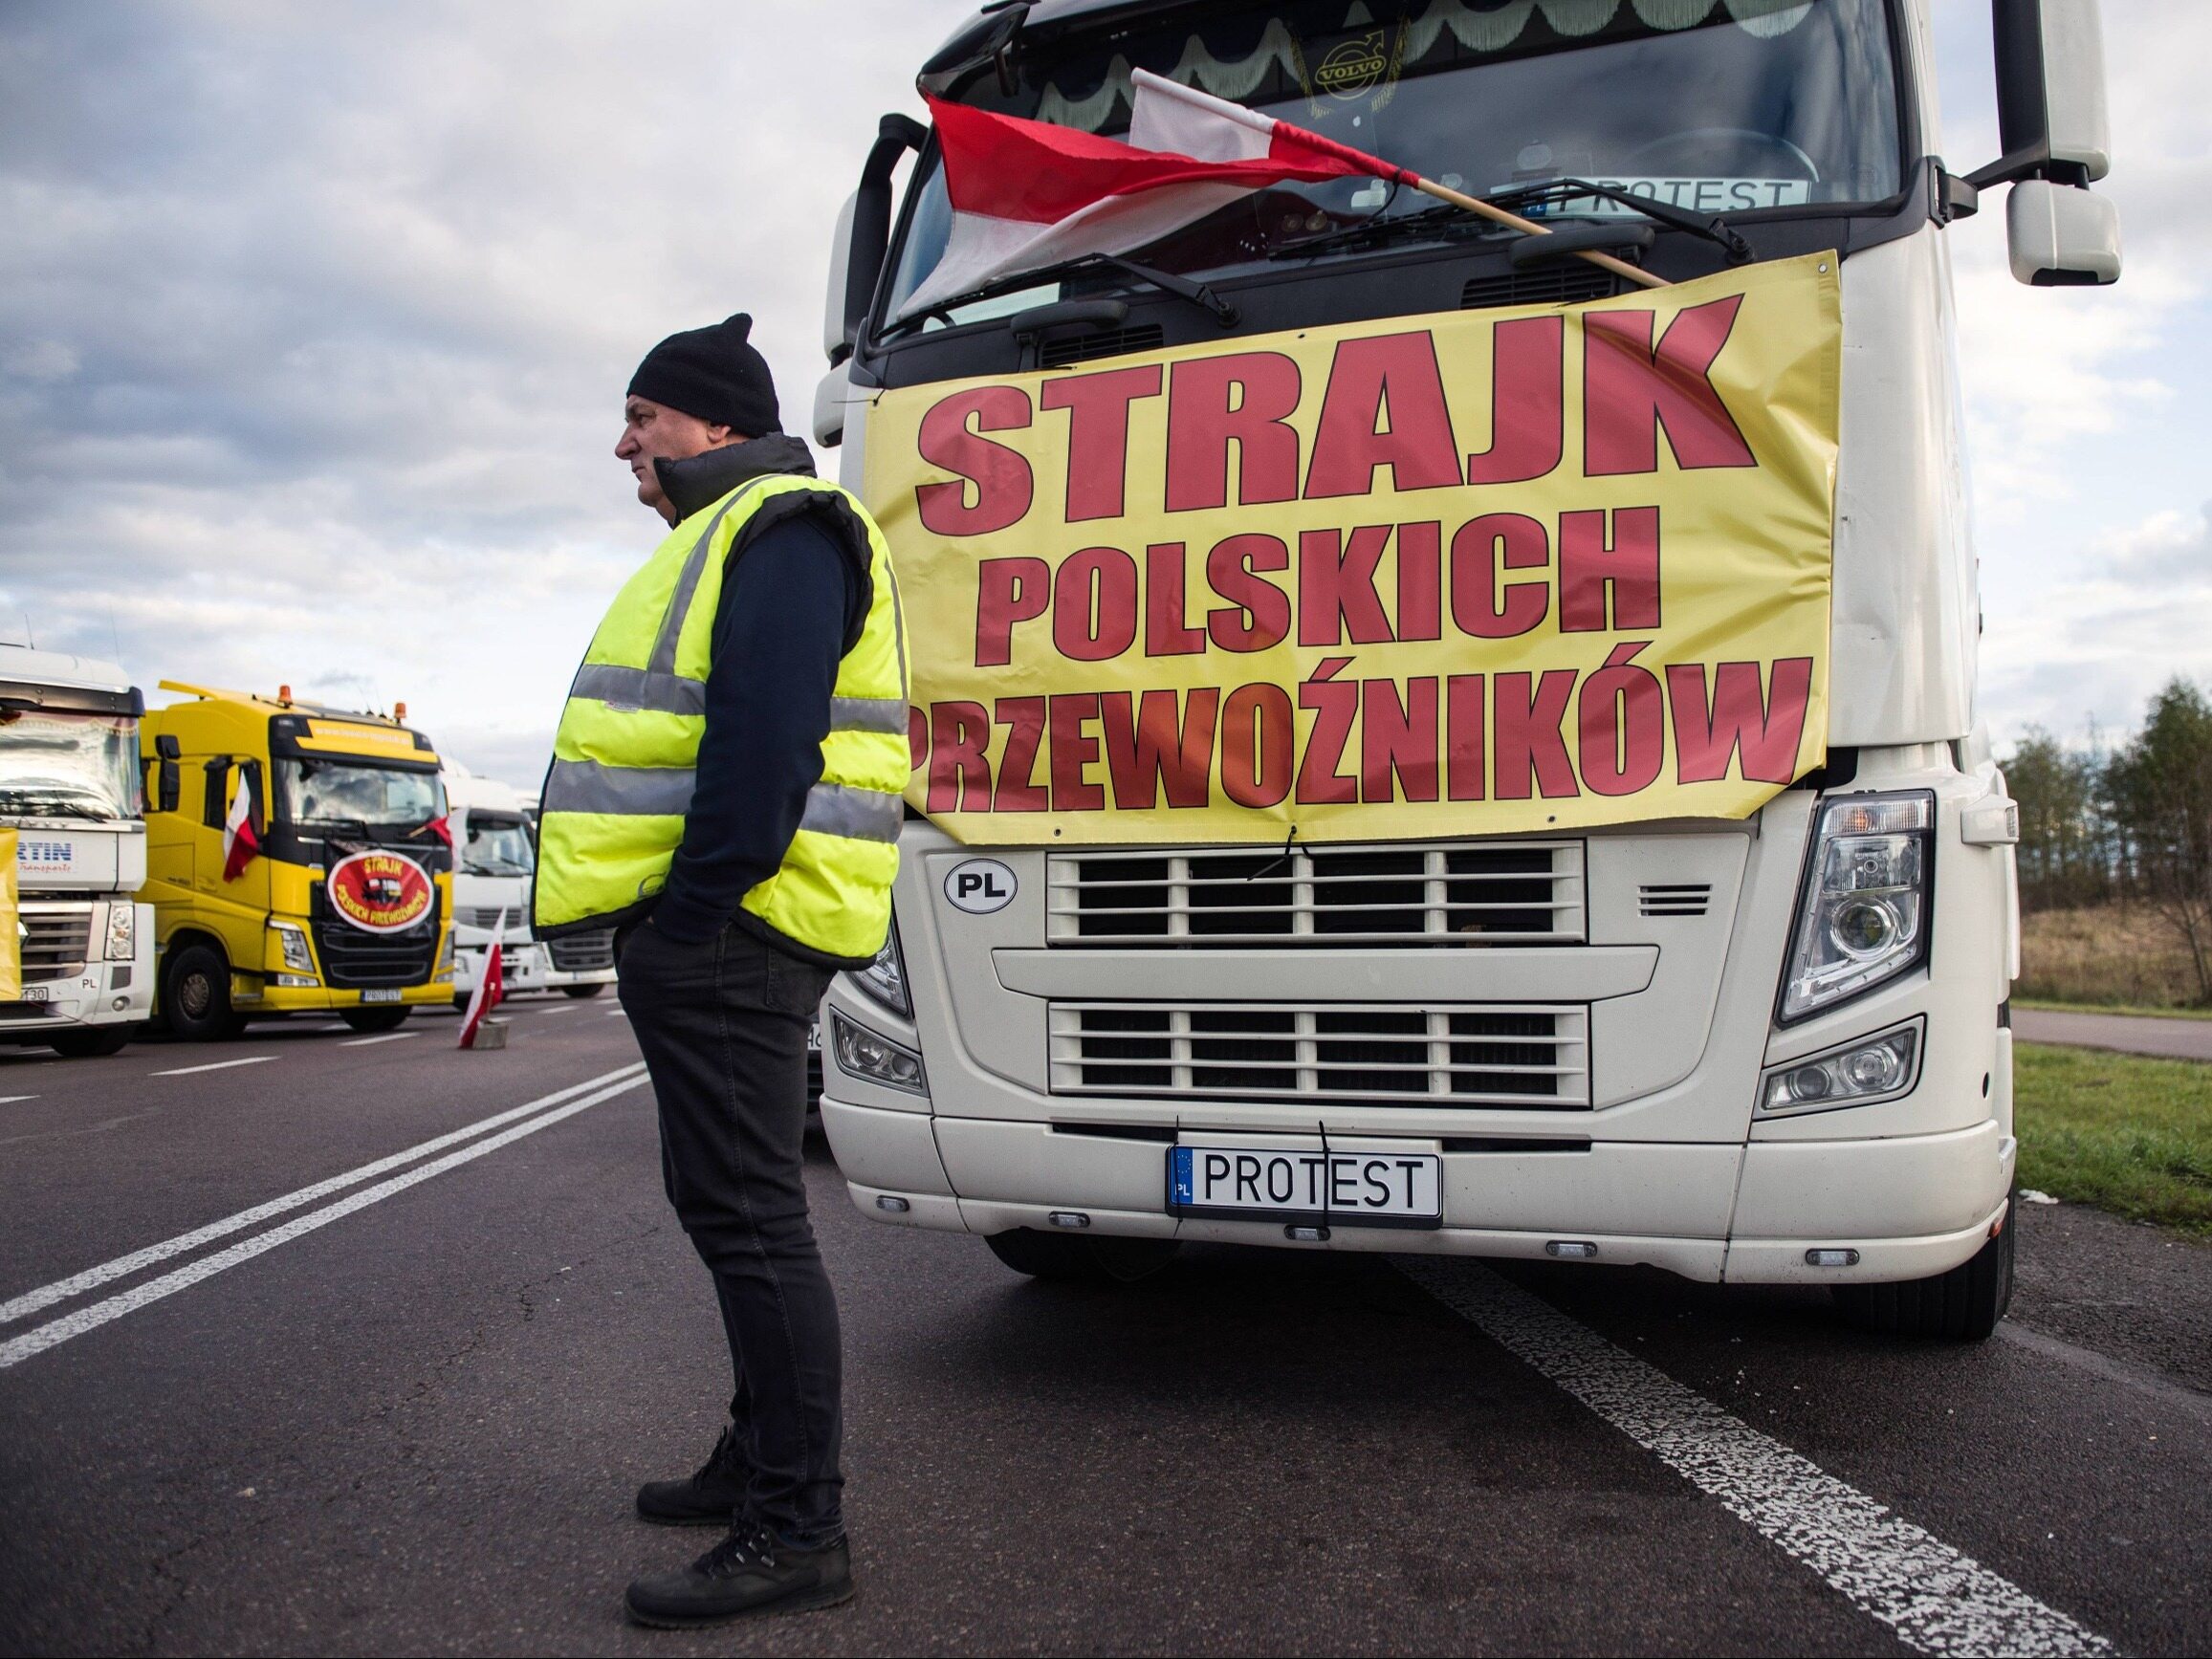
x=708 y=1497
x=750 y=1572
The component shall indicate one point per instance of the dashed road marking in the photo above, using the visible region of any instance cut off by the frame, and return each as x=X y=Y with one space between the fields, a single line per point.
x=10 y=1100
x=122 y=1266
x=220 y=1065
x=56 y=1332
x=1937 y=1600
x=387 y=1036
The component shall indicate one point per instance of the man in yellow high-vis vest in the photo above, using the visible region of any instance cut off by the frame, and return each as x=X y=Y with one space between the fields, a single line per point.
x=725 y=793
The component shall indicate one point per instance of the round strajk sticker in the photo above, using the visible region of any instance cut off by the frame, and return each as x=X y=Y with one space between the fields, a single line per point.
x=380 y=892
x=979 y=886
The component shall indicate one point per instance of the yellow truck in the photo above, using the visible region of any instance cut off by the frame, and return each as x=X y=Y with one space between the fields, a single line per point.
x=297 y=861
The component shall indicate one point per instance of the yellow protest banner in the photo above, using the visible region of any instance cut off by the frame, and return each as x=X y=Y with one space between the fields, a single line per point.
x=1471 y=574
x=11 y=923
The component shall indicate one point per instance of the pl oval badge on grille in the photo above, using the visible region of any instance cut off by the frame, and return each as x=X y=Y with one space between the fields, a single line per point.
x=979 y=886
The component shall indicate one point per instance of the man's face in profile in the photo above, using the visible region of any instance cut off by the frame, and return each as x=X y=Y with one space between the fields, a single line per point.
x=655 y=432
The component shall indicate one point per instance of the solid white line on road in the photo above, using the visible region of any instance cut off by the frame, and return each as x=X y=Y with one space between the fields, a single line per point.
x=1937 y=1600
x=10 y=1100
x=220 y=1065
x=618 y=1014
x=58 y=1331
x=389 y=1036
x=122 y=1266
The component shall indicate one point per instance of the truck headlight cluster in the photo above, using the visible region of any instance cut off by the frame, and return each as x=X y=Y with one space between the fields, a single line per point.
x=122 y=932
x=1858 y=1074
x=1863 y=918
x=884 y=979
x=293 y=942
x=878 y=1059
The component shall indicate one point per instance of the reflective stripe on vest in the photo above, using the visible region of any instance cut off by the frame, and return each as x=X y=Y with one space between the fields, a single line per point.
x=624 y=768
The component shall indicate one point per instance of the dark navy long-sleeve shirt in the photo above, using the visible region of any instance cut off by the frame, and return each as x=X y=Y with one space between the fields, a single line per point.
x=787 y=609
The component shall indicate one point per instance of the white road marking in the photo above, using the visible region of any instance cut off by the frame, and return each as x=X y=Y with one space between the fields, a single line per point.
x=389 y=1036
x=92 y=1278
x=10 y=1100
x=56 y=1332
x=220 y=1065
x=1937 y=1600
x=618 y=1014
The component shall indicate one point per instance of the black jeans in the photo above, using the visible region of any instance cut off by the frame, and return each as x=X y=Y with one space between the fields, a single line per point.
x=723 y=1026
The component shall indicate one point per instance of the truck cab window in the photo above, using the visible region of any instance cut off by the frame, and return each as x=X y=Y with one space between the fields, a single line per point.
x=497 y=846
x=355 y=796
x=1736 y=107
x=73 y=766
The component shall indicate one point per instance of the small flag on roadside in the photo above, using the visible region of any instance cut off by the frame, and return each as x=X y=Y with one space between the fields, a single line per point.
x=488 y=992
x=241 y=846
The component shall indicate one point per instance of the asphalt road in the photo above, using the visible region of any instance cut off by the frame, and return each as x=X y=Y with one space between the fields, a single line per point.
x=2125 y=1033
x=406 y=1412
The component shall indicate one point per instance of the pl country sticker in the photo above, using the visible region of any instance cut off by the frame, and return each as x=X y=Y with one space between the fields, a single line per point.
x=380 y=892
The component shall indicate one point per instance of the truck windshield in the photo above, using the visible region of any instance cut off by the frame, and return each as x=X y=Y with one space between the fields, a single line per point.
x=68 y=765
x=356 y=795
x=1726 y=106
x=498 y=846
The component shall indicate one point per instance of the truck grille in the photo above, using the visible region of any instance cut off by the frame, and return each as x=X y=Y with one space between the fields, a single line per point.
x=1517 y=893
x=56 y=941
x=356 y=960
x=584 y=952
x=487 y=916
x=1535 y=1058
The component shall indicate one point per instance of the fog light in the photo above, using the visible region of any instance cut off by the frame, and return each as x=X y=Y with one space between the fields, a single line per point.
x=866 y=1054
x=119 y=1004
x=896 y=1205
x=1570 y=1249
x=296 y=982
x=1306 y=1235
x=1873 y=1068
x=1068 y=1218
x=1831 y=1259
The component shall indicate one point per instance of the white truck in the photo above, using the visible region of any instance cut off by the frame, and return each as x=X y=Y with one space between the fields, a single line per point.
x=1773 y=1049
x=494 y=857
x=70 y=787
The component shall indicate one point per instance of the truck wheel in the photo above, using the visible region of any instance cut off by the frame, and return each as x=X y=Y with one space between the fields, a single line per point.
x=1063 y=1256
x=583 y=989
x=94 y=1041
x=1962 y=1305
x=196 y=995
x=375 y=1018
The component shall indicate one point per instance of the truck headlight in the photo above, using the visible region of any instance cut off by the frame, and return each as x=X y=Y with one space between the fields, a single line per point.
x=293 y=942
x=1862 y=919
x=122 y=932
x=878 y=1059
x=1857 y=1074
x=444 y=967
x=884 y=979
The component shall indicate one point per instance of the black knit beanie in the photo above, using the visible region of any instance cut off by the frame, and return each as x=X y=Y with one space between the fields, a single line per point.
x=715 y=374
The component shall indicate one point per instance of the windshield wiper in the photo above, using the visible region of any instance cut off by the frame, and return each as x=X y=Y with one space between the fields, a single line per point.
x=1710 y=226
x=1377 y=230
x=1167 y=282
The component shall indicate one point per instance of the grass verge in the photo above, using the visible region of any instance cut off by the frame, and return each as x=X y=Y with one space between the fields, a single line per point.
x=2056 y=1006
x=2130 y=1135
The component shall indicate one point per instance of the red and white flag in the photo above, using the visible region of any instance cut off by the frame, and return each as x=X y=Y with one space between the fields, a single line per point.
x=1167 y=114
x=488 y=992
x=241 y=846
x=1027 y=194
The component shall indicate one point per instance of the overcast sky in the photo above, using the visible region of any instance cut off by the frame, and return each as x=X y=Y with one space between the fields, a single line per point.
x=315 y=321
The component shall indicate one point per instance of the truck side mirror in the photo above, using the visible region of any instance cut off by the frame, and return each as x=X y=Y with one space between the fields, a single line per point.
x=2055 y=130
x=856 y=263
x=166 y=747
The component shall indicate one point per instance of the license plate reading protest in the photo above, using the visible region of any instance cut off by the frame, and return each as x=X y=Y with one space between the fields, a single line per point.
x=1306 y=1183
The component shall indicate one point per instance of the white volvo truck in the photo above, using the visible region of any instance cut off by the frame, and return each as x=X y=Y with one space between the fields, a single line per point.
x=1773 y=1049
x=494 y=860
x=70 y=789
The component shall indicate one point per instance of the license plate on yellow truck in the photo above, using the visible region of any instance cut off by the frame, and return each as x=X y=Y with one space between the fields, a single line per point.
x=1246 y=1181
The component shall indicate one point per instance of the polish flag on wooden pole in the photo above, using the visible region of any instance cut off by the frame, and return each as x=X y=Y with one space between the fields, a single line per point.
x=1169 y=116
x=488 y=991
x=241 y=846
x=1027 y=194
